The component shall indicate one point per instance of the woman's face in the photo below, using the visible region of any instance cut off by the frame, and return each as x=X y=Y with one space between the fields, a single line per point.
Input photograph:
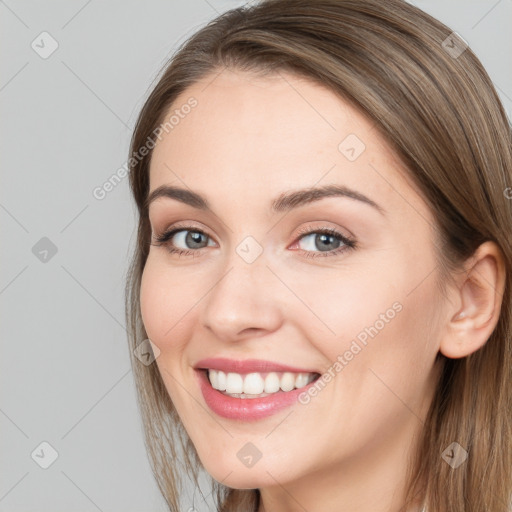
x=266 y=282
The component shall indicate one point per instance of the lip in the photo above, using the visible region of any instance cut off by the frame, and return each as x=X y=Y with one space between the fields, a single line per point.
x=246 y=409
x=247 y=366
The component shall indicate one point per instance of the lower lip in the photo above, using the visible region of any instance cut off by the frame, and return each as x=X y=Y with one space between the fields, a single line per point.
x=248 y=409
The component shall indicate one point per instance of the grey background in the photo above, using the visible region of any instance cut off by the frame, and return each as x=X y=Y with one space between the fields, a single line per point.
x=66 y=123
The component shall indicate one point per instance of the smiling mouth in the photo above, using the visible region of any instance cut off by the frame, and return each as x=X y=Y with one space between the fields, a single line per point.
x=257 y=384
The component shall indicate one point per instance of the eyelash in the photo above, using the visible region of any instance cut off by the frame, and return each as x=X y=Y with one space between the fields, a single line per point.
x=349 y=243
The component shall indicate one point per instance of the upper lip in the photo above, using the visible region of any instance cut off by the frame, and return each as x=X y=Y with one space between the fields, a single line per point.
x=247 y=366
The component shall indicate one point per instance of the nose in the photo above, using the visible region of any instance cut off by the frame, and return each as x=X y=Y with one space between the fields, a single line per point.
x=244 y=301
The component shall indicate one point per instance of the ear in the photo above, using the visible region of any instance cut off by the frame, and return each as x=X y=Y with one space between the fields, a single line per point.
x=477 y=305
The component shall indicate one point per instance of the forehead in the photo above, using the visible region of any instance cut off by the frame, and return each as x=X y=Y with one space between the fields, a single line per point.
x=253 y=136
x=281 y=118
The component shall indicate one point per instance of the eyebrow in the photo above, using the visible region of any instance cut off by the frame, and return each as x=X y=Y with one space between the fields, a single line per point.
x=283 y=203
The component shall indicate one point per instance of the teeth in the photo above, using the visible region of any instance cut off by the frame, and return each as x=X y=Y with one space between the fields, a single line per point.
x=257 y=384
x=234 y=382
x=287 y=382
x=221 y=380
x=272 y=383
x=253 y=384
x=301 y=380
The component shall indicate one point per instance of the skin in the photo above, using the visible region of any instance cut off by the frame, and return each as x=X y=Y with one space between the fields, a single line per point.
x=248 y=140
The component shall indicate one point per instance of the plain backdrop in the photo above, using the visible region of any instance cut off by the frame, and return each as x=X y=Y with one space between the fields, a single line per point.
x=67 y=117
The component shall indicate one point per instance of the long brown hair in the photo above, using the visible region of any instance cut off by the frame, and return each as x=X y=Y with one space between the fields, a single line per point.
x=431 y=99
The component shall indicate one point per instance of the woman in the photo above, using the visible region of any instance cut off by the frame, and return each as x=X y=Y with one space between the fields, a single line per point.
x=373 y=375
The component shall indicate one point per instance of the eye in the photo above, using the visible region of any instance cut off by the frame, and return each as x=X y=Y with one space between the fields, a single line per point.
x=323 y=242
x=189 y=238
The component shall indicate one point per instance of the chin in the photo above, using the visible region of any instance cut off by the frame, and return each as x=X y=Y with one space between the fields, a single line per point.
x=243 y=479
x=233 y=473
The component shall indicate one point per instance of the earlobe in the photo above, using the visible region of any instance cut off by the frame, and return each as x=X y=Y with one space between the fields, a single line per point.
x=479 y=299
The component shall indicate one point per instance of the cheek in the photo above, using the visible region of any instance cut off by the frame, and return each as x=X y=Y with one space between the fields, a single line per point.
x=379 y=320
x=150 y=302
x=341 y=303
x=390 y=350
x=166 y=303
